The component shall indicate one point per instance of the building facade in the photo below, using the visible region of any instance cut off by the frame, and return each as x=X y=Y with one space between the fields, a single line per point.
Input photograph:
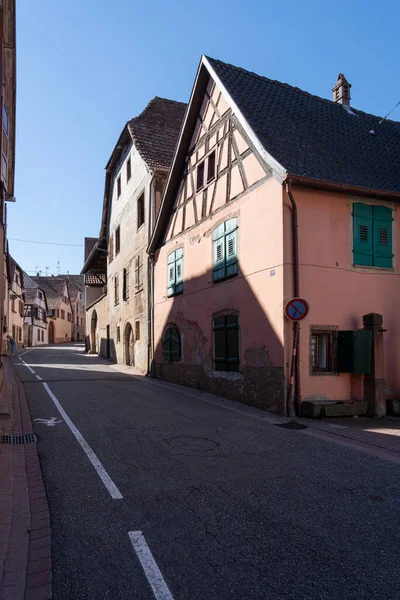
x=16 y=301
x=116 y=269
x=59 y=316
x=35 y=316
x=255 y=213
x=76 y=285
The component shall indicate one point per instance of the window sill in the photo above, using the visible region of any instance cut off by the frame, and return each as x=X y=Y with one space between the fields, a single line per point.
x=175 y=294
x=324 y=374
x=225 y=277
x=371 y=268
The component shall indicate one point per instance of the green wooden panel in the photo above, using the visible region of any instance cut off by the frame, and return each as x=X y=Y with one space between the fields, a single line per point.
x=354 y=353
x=345 y=352
x=383 y=243
x=363 y=253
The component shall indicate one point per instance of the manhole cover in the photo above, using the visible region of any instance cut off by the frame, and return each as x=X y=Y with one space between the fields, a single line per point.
x=292 y=425
x=193 y=444
x=18 y=439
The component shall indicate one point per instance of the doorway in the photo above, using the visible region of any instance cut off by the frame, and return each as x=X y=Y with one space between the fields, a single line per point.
x=51 y=332
x=129 y=346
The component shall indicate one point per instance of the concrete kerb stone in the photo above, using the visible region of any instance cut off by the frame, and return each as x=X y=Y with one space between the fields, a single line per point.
x=27 y=530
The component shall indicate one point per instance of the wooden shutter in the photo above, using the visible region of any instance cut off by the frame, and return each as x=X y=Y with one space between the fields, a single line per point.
x=171 y=274
x=363 y=234
x=219 y=252
x=383 y=245
x=178 y=270
x=231 y=246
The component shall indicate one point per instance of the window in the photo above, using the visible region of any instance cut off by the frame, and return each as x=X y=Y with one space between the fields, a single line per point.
x=58 y=313
x=139 y=272
x=21 y=308
x=63 y=314
x=118 y=335
x=69 y=316
x=140 y=211
x=40 y=295
x=118 y=186
x=137 y=330
x=116 y=290
x=175 y=272
x=38 y=335
x=128 y=169
x=117 y=240
x=225 y=250
x=19 y=334
x=125 y=284
x=200 y=176
x=211 y=167
x=42 y=335
x=13 y=332
x=323 y=344
x=110 y=248
x=4 y=147
x=372 y=236
x=226 y=343
x=13 y=304
x=171 y=343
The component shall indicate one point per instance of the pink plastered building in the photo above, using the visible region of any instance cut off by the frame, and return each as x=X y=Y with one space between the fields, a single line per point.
x=275 y=193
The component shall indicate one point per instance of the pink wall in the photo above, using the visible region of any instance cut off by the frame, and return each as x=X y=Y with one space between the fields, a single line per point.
x=339 y=294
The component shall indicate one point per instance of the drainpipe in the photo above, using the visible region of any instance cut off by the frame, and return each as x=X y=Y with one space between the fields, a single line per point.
x=295 y=366
x=149 y=279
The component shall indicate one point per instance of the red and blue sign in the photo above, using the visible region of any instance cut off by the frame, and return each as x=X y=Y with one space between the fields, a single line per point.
x=297 y=309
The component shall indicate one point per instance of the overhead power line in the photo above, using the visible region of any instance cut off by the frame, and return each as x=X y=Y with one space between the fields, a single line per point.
x=46 y=243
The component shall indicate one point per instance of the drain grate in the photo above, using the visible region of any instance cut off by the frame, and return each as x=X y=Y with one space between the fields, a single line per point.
x=292 y=425
x=29 y=438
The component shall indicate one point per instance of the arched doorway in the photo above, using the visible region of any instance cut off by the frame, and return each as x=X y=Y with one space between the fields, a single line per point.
x=51 y=332
x=129 y=346
x=93 y=337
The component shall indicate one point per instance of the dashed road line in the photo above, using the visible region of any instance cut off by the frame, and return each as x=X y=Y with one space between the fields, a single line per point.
x=28 y=367
x=38 y=377
x=150 y=567
x=104 y=476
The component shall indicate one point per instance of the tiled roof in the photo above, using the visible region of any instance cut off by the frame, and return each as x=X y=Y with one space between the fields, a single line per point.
x=89 y=245
x=314 y=137
x=30 y=289
x=53 y=288
x=155 y=131
x=75 y=280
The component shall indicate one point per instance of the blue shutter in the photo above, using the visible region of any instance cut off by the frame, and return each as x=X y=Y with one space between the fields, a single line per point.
x=231 y=246
x=178 y=270
x=171 y=274
x=219 y=252
x=383 y=245
x=362 y=234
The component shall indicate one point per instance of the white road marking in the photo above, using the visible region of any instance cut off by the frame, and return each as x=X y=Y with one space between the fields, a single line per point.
x=104 y=476
x=23 y=354
x=150 y=567
x=28 y=367
x=38 y=377
x=49 y=422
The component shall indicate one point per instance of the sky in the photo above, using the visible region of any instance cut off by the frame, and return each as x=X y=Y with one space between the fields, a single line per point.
x=85 y=67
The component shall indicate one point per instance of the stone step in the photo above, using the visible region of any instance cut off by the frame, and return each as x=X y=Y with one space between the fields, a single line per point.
x=318 y=409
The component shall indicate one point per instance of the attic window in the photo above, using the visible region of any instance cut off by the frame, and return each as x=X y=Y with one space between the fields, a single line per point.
x=337 y=94
x=211 y=167
x=200 y=176
x=118 y=186
x=140 y=211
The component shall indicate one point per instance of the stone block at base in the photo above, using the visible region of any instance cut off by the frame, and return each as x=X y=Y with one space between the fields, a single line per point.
x=319 y=409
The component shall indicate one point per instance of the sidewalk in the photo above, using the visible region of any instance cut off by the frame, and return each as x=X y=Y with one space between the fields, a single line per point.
x=25 y=567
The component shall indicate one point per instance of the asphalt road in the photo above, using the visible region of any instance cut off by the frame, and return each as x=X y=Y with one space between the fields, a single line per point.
x=230 y=505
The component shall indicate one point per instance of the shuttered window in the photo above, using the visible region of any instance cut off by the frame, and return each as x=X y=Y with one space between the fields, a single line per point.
x=225 y=250
x=226 y=343
x=171 y=343
x=372 y=230
x=175 y=272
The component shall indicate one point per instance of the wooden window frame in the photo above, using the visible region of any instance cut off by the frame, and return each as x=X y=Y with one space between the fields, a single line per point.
x=331 y=331
x=225 y=361
x=211 y=176
x=168 y=354
x=110 y=248
x=117 y=240
x=226 y=267
x=116 y=289
x=200 y=173
x=175 y=283
x=125 y=284
x=137 y=330
x=139 y=272
x=63 y=314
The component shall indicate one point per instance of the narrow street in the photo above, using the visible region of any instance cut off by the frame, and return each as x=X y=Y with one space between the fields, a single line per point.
x=230 y=506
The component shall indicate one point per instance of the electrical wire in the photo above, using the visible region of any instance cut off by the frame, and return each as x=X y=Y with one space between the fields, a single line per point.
x=389 y=113
x=46 y=243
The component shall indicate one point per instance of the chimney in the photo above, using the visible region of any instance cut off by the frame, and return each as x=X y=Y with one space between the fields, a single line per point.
x=341 y=91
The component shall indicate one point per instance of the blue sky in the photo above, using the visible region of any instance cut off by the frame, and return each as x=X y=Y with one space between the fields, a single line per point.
x=85 y=68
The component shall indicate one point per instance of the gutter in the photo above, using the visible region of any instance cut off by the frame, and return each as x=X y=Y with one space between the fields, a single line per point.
x=149 y=279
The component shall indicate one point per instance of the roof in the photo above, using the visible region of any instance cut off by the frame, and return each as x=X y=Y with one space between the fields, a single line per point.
x=155 y=131
x=300 y=136
x=53 y=287
x=13 y=266
x=89 y=245
x=75 y=280
x=314 y=137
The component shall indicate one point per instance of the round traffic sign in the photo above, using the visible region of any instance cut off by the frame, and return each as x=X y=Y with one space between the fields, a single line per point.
x=297 y=309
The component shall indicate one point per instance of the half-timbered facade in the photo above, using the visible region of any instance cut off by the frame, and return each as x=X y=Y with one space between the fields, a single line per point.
x=35 y=316
x=259 y=208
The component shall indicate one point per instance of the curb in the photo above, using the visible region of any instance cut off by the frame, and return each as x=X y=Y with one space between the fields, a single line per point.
x=25 y=534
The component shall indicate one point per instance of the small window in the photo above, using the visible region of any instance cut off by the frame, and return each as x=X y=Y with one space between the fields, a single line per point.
x=200 y=176
x=13 y=304
x=38 y=335
x=116 y=290
x=118 y=186
x=211 y=167
x=19 y=334
x=63 y=314
x=140 y=211
x=58 y=313
x=117 y=240
x=125 y=284
x=323 y=351
x=225 y=250
x=118 y=335
x=69 y=317
x=110 y=248
x=171 y=343
x=139 y=272
x=42 y=336
x=137 y=330
x=226 y=343
x=175 y=272
x=128 y=169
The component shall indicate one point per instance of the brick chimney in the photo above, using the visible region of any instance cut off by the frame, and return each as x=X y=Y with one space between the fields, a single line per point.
x=341 y=91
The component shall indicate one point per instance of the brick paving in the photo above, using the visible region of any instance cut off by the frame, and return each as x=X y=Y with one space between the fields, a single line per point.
x=25 y=559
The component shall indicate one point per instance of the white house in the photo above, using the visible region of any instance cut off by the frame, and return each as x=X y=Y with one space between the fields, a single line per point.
x=35 y=316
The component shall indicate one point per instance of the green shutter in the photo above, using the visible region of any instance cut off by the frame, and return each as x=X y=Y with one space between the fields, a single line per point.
x=219 y=252
x=383 y=245
x=363 y=235
x=178 y=270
